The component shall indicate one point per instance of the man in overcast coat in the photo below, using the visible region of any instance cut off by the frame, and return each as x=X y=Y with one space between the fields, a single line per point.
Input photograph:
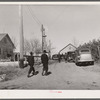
x=44 y=60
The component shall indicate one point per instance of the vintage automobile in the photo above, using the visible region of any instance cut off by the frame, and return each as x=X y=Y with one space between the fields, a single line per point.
x=84 y=56
x=55 y=57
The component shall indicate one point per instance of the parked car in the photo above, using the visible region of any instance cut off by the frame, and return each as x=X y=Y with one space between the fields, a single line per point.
x=84 y=57
x=55 y=57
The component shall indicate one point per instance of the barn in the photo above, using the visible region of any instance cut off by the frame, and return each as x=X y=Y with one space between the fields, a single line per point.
x=6 y=46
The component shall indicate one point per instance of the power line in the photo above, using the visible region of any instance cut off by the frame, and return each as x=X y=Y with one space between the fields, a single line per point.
x=58 y=16
x=27 y=14
x=33 y=16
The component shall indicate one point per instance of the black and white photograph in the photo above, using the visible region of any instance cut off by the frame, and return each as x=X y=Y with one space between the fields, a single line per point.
x=50 y=46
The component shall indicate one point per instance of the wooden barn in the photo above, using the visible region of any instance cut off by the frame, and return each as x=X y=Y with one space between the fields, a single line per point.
x=6 y=46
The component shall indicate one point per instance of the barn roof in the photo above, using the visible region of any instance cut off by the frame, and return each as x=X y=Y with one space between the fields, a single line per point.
x=2 y=35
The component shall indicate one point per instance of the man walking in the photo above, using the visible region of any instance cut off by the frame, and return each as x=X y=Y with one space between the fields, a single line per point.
x=44 y=60
x=31 y=64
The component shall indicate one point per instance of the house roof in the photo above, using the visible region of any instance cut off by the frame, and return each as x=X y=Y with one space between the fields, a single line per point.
x=67 y=46
x=2 y=35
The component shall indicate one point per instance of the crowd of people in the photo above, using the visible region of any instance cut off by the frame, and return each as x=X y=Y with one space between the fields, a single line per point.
x=67 y=56
x=62 y=56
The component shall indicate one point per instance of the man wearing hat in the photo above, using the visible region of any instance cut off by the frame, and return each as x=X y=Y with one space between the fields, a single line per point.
x=31 y=64
x=44 y=60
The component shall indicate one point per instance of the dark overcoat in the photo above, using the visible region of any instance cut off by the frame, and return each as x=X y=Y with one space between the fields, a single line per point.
x=30 y=60
x=44 y=59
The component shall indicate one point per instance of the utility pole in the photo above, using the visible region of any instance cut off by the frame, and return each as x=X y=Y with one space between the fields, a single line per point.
x=21 y=63
x=43 y=38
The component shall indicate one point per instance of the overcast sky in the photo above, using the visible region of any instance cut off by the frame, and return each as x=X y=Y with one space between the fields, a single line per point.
x=63 y=23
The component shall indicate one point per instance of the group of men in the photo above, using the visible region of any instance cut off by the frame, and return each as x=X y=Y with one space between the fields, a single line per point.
x=44 y=61
x=61 y=56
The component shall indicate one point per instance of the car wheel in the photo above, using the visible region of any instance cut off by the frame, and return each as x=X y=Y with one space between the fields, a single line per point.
x=92 y=63
x=77 y=64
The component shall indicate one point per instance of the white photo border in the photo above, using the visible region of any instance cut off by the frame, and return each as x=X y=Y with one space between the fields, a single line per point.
x=50 y=94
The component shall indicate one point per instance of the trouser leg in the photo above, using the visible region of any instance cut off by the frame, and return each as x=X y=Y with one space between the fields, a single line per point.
x=31 y=69
x=45 y=67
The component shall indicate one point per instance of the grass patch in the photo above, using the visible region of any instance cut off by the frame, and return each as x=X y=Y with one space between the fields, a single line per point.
x=11 y=72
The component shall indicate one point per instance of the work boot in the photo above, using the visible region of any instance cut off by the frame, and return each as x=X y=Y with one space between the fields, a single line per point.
x=28 y=75
x=43 y=73
x=46 y=73
x=35 y=73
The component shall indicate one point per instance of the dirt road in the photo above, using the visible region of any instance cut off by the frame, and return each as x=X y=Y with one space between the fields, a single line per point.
x=66 y=76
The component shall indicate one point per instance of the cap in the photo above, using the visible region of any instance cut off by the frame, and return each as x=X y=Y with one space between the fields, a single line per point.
x=44 y=51
x=31 y=53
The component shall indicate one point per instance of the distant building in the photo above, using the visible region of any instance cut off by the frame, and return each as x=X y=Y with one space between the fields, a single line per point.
x=6 y=46
x=67 y=48
x=16 y=56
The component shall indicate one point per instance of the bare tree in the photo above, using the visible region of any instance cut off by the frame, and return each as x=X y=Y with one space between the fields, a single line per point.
x=50 y=48
x=32 y=45
x=37 y=46
x=27 y=46
x=75 y=42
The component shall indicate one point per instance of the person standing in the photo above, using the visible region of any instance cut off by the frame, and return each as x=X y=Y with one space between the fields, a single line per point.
x=59 y=57
x=65 y=57
x=31 y=64
x=44 y=60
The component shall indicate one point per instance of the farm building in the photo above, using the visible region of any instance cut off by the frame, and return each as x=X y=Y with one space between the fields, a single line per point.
x=6 y=46
x=67 y=48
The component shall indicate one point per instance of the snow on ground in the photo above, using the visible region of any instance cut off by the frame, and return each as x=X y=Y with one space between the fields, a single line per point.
x=65 y=76
x=13 y=64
